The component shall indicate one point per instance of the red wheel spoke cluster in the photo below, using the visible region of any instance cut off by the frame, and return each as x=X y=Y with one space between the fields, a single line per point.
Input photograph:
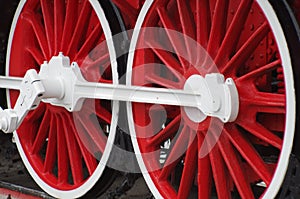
x=247 y=49
x=64 y=149
x=189 y=170
x=228 y=45
x=204 y=178
x=218 y=28
x=203 y=22
x=249 y=153
x=223 y=160
x=234 y=167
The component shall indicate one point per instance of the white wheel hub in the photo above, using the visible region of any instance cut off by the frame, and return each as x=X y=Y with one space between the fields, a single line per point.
x=220 y=99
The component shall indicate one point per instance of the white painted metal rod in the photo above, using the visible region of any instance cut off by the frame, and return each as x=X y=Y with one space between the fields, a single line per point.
x=10 y=82
x=140 y=94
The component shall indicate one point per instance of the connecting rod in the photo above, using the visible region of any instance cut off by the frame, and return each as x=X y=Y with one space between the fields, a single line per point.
x=62 y=84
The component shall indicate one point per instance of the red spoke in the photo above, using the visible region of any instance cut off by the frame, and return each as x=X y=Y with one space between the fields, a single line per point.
x=47 y=11
x=87 y=141
x=167 y=58
x=204 y=177
x=38 y=31
x=63 y=157
x=166 y=133
x=174 y=37
x=218 y=170
x=89 y=158
x=189 y=169
x=89 y=42
x=203 y=20
x=249 y=153
x=97 y=109
x=265 y=102
x=36 y=54
x=80 y=27
x=42 y=134
x=187 y=24
x=270 y=100
x=253 y=75
x=69 y=25
x=107 y=81
x=234 y=31
x=168 y=187
x=218 y=29
x=59 y=18
x=91 y=65
x=177 y=151
x=37 y=113
x=233 y=165
x=154 y=79
x=261 y=132
x=51 y=153
x=75 y=156
x=243 y=54
x=103 y=113
x=94 y=131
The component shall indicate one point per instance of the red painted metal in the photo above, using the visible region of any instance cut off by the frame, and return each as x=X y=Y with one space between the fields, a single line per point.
x=130 y=10
x=63 y=148
x=6 y=193
x=8 y=190
x=238 y=38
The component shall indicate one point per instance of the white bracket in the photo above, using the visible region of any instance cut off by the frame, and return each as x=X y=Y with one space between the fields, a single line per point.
x=31 y=93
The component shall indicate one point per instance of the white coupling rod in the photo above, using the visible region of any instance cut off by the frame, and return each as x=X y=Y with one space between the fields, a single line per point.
x=62 y=84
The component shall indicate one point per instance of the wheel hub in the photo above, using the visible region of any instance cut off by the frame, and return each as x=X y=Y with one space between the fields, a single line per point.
x=221 y=99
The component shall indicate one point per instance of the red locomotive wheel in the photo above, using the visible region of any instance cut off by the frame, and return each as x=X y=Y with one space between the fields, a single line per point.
x=65 y=152
x=183 y=155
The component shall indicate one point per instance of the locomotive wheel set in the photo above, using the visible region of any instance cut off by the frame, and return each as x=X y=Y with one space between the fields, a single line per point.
x=211 y=90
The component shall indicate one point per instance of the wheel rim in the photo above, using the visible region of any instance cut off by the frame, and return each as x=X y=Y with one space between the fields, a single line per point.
x=65 y=153
x=252 y=43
